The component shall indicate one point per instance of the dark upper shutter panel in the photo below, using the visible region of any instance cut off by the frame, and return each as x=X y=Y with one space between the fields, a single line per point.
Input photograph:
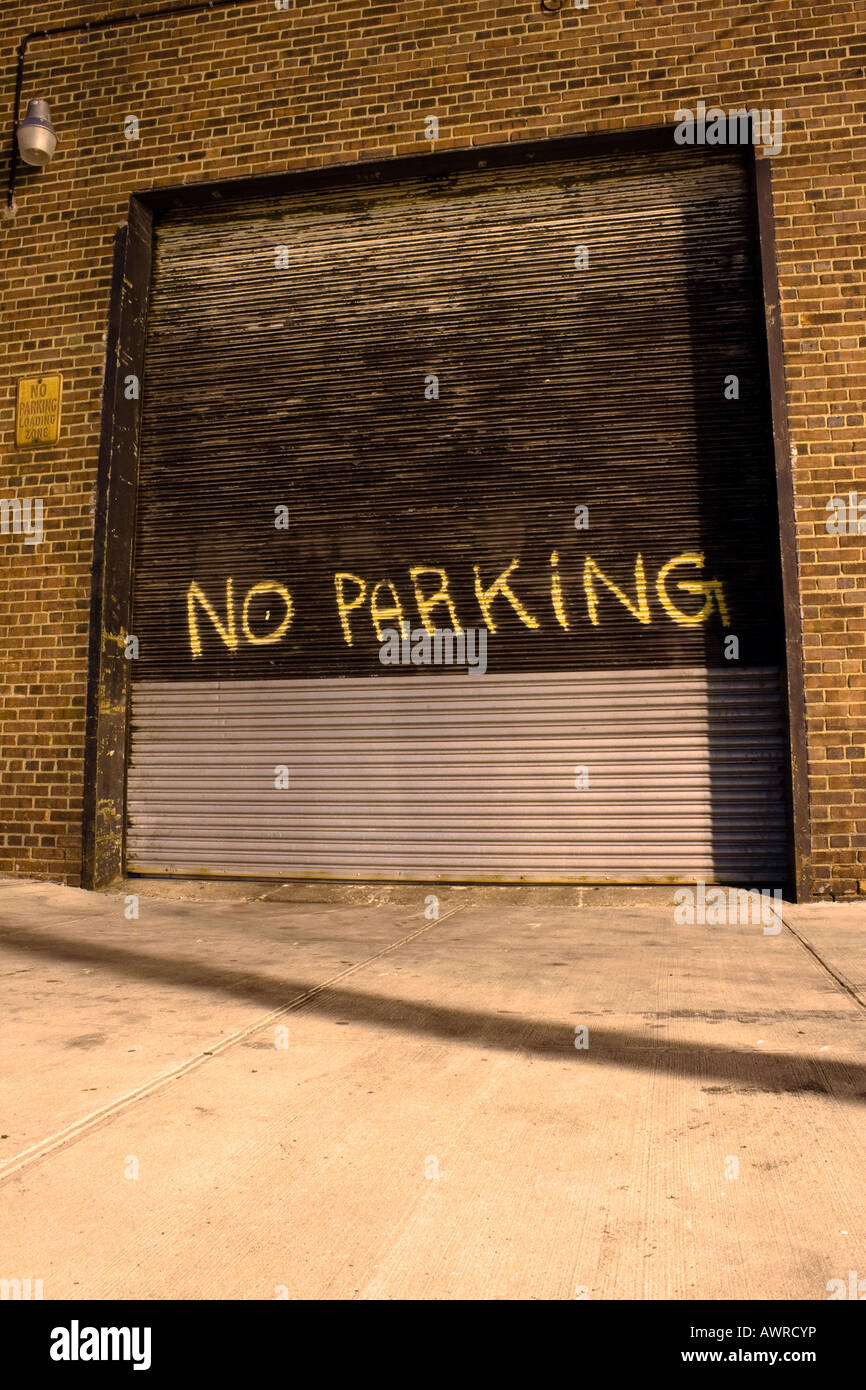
x=558 y=387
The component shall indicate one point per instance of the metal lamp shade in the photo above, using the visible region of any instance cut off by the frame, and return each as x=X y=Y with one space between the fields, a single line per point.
x=36 y=139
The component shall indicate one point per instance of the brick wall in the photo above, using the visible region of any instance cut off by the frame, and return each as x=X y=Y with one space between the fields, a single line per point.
x=254 y=90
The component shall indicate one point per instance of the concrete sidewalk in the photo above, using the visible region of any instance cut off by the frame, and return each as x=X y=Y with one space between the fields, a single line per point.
x=316 y=1092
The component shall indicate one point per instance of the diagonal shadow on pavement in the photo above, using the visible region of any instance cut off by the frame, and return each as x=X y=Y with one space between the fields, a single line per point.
x=738 y=1068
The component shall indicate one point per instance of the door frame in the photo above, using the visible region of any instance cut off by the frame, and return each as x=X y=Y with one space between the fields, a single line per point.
x=109 y=670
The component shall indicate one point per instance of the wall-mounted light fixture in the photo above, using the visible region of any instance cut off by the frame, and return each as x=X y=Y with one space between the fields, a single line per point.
x=36 y=138
x=33 y=139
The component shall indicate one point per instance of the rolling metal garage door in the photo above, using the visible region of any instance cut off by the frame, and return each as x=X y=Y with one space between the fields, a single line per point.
x=525 y=396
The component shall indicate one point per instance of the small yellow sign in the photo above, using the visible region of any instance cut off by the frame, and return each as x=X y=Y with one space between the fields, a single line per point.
x=37 y=417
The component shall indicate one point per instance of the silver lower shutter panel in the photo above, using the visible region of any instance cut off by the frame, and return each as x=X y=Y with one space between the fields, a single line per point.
x=456 y=777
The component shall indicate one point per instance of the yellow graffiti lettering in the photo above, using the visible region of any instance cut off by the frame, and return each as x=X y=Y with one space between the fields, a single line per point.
x=343 y=607
x=266 y=587
x=556 y=591
x=710 y=588
x=227 y=633
x=592 y=572
x=385 y=615
x=428 y=602
x=501 y=586
x=718 y=591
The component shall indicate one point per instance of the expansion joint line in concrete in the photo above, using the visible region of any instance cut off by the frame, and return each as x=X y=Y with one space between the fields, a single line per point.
x=835 y=976
x=64 y=1137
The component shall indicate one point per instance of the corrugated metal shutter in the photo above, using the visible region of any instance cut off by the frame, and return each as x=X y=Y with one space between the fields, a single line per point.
x=568 y=775
x=291 y=349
